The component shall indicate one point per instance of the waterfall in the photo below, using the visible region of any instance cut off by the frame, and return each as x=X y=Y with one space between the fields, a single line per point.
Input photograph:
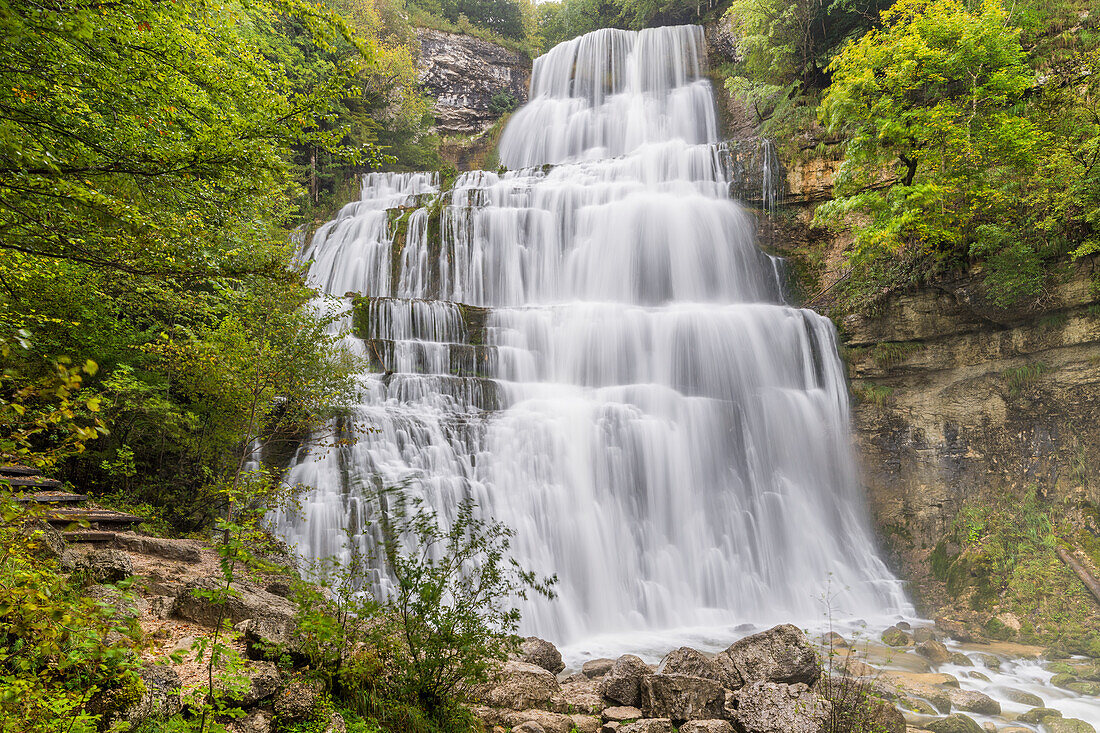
x=592 y=347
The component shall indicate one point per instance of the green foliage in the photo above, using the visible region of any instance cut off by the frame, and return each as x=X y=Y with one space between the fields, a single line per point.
x=873 y=394
x=1023 y=377
x=502 y=103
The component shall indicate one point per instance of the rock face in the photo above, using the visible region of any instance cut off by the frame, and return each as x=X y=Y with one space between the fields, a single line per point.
x=782 y=654
x=464 y=74
x=106 y=566
x=767 y=707
x=979 y=399
x=680 y=697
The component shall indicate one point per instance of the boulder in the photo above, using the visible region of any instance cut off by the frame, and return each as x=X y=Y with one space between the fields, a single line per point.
x=1038 y=715
x=529 y=727
x=957 y=723
x=106 y=566
x=546 y=720
x=973 y=702
x=594 y=668
x=933 y=651
x=263 y=682
x=681 y=697
x=768 y=707
x=1067 y=725
x=257 y=721
x=46 y=542
x=177 y=550
x=623 y=683
x=686 y=660
x=540 y=652
x=586 y=723
x=297 y=701
x=159 y=699
x=620 y=714
x=706 y=726
x=782 y=654
x=727 y=671
x=197 y=603
x=924 y=634
x=960 y=659
x=521 y=686
x=1021 y=697
x=895 y=637
x=1084 y=687
x=834 y=640
x=647 y=725
x=989 y=661
x=578 y=697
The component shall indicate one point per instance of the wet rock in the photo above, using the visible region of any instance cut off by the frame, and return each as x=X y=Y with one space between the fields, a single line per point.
x=895 y=637
x=647 y=725
x=924 y=634
x=594 y=668
x=917 y=706
x=957 y=723
x=1062 y=679
x=1084 y=687
x=989 y=661
x=578 y=697
x=106 y=566
x=1024 y=698
x=546 y=720
x=933 y=651
x=1038 y=715
x=621 y=713
x=682 y=697
x=979 y=676
x=960 y=659
x=691 y=662
x=538 y=651
x=767 y=707
x=521 y=686
x=781 y=654
x=927 y=687
x=1067 y=725
x=834 y=640
x=904 y=625
x=973 y=702
x=623 y=683
x=706 y=726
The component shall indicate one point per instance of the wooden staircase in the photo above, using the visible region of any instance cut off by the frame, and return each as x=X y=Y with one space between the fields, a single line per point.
x=65 y=510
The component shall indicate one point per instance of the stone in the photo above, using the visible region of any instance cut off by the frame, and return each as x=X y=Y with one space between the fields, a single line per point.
x=706 y=726
x=529 y=727
x=781 y=654
x=933 y=651
x=1021 y=697
x=538 y=651
x=257 y=721
x=546 y=720
x=904 y=625
x=924 y=634
x=896 y=684
x=177 y=550
x=594 y=668
x=263 y=682
x=1062 y=679
x=297 y=701
x=520 y=686
x=917 y=706
x=46 y=542
x=895 y=637
x=973 y=702
x=768 y=707
x=960 y=659
x=623 y=683
x=586 y=723
x=648 y=725
x=682 y=697
x=834 y=640
x=989 y=661
x=957 y=723
x=160 y=699
x=106 y=565
x=989 y=727
x=1038 y=715
x=246 y=602
x=579 y=697
x=1067 y=725
x=621 y=713
x=610 y=727
x=691 y=662
x=727 y=671
x=1084 y=687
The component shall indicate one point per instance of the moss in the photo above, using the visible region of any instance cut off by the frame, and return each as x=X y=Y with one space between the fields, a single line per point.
x=892 y=353
x=1024 y=377
x=941 y=561
x=399 y=224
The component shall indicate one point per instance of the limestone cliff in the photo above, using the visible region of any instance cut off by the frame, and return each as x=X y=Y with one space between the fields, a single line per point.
x=464 y=74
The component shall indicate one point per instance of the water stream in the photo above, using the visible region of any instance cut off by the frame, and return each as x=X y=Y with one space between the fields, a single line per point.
x=592 y=347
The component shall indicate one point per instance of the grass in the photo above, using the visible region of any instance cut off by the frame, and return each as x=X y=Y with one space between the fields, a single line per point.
x=872 y=393
x=1020 y=379
x=421 y=18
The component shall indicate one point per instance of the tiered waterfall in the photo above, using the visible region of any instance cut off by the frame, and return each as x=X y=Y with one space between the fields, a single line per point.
x=591 y=346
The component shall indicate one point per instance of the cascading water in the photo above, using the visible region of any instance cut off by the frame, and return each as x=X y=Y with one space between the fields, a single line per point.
x=593 y=349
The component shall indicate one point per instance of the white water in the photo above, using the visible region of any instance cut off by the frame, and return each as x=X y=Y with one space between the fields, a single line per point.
x=659 y=428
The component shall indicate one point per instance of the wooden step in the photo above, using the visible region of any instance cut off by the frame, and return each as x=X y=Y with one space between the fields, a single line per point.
x=88 y=535
x=51 y=497
x=17 y=470
x=96 y=518
x=31 y=482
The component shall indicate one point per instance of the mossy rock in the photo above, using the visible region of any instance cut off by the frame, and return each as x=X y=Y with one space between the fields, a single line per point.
x=1038 y=715
x=1061 y=668
x=996 y=629
x=960 y=659
x=980 y=676
x=1084 y=687
x=956 y=723
x=918 y=706
x=895 y=637
x=1023 y=698
x=1063 y=680
x=1067 y=725
x=989 y=661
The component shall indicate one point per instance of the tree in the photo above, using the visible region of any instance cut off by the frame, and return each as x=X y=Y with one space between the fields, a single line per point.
x=940 y=149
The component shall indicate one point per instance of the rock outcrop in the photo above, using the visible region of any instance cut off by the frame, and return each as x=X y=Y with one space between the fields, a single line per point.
x=465 y=74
